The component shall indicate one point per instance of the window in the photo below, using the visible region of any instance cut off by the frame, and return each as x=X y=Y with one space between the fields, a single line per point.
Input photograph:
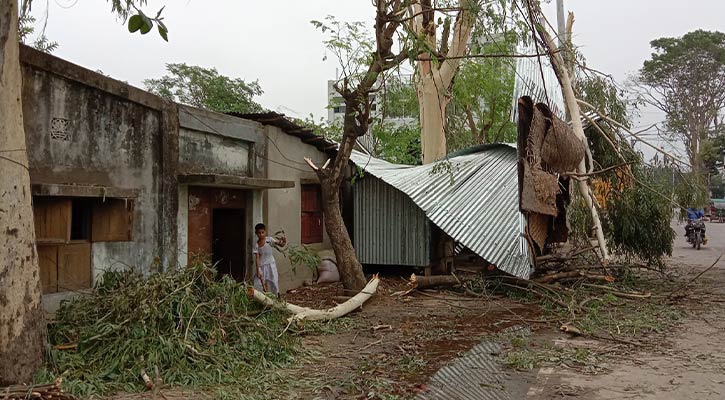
x=64 y=230
x=311 y=214
x=80 y=225
x=338 y=109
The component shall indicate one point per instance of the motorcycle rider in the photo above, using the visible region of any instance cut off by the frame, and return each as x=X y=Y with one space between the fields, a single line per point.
x=692 y=215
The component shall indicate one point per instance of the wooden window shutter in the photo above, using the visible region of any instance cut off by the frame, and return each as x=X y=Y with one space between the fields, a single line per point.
x=52 y=218
x=74 y=266
x=112 y=221
x=48 y=263
x=311 y=218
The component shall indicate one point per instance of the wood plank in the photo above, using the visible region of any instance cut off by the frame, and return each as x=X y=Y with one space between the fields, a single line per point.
x=52 y=217
x=112 y=221
x=74 y=266
x=48 y=263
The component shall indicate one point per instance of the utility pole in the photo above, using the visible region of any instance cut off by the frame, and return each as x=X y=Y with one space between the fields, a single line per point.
x=560 y=22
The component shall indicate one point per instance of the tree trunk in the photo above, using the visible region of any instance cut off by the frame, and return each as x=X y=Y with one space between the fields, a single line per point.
x=351 y=272
x=433 y=104
x=572 y=108
x=22 y=329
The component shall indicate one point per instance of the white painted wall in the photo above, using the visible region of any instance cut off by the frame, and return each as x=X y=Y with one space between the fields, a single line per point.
x=283 y=207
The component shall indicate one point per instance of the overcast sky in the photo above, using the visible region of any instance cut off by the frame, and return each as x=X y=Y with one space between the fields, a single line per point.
x=274 y=42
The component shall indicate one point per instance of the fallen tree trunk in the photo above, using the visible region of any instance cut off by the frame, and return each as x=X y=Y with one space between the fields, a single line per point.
x=304 y=313
x=572 y=107
x=422 y=282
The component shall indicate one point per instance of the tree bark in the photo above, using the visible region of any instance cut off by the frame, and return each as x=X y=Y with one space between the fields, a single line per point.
x=433 y=104
x=435 y=81
x=304 y=313
x=22 y=329
x=572 y=108
x=351 y=272
x=422 y=282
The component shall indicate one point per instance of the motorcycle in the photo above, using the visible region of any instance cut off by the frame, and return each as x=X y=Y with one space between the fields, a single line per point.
x=696 y=233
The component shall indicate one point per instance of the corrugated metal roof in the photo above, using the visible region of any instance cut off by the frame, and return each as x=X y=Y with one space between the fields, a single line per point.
x=476 y=203
x=377 y=240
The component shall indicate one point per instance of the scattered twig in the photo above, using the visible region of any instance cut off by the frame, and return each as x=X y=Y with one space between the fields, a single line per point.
x=371 y=344
x=695 y=278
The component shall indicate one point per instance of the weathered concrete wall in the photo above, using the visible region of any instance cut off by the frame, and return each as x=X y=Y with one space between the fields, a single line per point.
x=216 y=143
x=283 y=208
x=201 y=153
x=83 y=128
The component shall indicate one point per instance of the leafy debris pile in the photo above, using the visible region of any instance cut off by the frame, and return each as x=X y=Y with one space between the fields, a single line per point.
x=185 y=326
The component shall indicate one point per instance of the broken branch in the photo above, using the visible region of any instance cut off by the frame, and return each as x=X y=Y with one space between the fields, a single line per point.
x=304 y=313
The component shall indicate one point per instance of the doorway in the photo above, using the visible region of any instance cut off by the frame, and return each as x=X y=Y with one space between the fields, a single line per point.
x=228 y=244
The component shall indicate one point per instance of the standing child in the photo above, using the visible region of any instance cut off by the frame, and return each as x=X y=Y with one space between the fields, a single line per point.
x=266 y=278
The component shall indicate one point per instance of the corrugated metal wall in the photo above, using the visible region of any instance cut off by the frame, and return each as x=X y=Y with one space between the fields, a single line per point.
x=390 y=229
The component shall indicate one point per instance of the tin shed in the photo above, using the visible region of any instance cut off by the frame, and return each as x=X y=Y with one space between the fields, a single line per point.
x=474 y=200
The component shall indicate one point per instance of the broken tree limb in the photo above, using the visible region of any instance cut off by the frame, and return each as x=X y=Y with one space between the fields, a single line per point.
x=618 y=293
x=51 y=391
x=421 y=282
x=634 y=135
x=688 y=283
x=304 y=313
x=572 y=107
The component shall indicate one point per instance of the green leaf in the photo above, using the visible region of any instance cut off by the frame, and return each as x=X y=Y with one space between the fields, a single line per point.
x=163 y=33
x=135 y=23
x=147 y=24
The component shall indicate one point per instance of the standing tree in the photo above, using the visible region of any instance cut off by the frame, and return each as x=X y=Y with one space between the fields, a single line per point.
x=364 y=66
x=206 y=88
x=22 y=331
x=22 y=325
x=437 y=66
x=685 y=78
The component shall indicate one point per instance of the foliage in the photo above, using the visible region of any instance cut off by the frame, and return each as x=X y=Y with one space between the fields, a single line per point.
x=195 y=329
x=482 y=97
x=302 y=256
x=638 y=219
x=206 y=88
x=398 y=143
x=712 y=150
x=685 y=78
x=26 y=28
x=638 y=206
x=351 y=44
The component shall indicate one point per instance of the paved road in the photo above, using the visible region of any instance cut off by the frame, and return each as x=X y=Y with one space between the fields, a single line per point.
x=690 y=367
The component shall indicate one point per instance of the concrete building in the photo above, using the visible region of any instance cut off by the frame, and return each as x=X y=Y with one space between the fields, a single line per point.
x=122 y=178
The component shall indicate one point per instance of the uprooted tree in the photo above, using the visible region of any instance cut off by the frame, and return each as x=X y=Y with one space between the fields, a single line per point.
x=562 y=69
x=22 y=325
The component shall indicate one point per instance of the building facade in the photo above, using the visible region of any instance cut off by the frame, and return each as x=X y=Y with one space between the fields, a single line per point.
x=122 y=178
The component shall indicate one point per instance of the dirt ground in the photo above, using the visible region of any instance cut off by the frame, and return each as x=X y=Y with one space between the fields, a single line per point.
x=403 y=347
x=689 y=361
x=396 y=343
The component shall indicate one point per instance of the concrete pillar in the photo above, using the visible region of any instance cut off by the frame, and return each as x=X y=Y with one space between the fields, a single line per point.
x=182 y=228
x=168 y=185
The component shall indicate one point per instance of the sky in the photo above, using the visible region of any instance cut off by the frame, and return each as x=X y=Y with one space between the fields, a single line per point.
x=274 y=42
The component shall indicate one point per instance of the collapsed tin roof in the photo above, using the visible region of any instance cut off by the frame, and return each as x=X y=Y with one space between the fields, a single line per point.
x=473 y=197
